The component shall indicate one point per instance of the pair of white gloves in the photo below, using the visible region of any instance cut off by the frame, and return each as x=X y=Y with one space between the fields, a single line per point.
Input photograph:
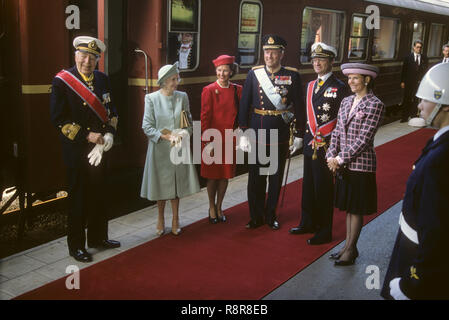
x=96 y=154
x=245 y=145
x=177 y=136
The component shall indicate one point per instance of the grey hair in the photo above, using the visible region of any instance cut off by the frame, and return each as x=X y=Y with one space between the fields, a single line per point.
x=445 y=46
x=163 y=82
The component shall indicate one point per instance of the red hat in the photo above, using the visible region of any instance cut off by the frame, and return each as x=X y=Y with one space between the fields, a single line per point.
x=223 y=59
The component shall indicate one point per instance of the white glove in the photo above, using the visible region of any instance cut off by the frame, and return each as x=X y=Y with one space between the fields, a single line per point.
x=297 y=144
x=395 y=290
x=108 y=141
x=244 y=144
x=96 y=154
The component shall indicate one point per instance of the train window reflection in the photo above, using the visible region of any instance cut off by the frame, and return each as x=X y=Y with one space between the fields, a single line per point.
x=321 y=25
x=249 y=33
x=436 y=40
x=419 y=29
x=386 y=39
x=358 y=40
x=183 y=35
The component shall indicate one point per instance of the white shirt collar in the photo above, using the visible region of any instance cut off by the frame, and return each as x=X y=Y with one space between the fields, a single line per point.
x=325 y=77
x=440 y=132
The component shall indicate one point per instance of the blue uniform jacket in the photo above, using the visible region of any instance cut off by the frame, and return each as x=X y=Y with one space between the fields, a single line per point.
x=66 y=107
x=424 y=273
x=254 y=97
x=326 y=103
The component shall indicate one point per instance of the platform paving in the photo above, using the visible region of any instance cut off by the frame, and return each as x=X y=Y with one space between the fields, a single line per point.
x=35 y=267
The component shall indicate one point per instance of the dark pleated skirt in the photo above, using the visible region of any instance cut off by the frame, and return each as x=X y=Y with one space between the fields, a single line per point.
x=356 y=192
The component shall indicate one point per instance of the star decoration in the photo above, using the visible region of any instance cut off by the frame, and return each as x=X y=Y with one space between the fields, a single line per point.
x=326 y=107
x=325 y=117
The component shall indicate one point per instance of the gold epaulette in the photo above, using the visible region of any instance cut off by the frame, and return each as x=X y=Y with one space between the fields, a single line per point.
x=258 y=67
x=292 y=69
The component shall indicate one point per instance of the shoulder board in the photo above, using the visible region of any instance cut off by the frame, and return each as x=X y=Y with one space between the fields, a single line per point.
x=257 y=67
x=292 y=69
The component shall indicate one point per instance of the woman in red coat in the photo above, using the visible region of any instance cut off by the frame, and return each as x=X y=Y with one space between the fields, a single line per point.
x=219 y=106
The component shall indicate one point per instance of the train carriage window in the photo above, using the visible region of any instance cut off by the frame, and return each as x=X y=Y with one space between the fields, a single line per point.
x=419 y=29
x=183 y=33
x=358 y=40
x=386 y=39
x=321 y=25
x=436 y=40
x=249 y=33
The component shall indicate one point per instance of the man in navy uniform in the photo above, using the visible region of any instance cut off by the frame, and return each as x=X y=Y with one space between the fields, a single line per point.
x=323 y=100
x=271 y=98
x=419 y=264
x=445 y=53
x=413 y=69
x=82 y=111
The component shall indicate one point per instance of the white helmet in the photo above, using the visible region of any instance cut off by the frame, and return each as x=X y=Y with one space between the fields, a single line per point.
x=434 y=87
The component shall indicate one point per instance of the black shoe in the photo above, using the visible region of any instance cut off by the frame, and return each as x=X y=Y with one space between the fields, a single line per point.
x=344 y=263
x=319 y=239
x=80 y=255
x=105 y=244
x=253 y=224
x=337 y=255
x=274 y=225
x=222 y=218
x=301 y=230
x=213 y=220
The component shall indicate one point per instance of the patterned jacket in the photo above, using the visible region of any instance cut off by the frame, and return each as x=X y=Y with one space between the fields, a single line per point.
x=353 y=138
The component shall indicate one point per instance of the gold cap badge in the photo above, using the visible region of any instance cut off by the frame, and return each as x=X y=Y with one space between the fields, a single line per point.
x=270 y=40
x=319 y=49
x=93 y=45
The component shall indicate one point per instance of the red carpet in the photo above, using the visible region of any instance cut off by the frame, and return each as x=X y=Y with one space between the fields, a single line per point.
x=226 y=261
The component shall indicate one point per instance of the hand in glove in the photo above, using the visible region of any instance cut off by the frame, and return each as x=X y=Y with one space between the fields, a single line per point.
x=96 y=154
x=244 y=144
x=108 y=141
x=297 y=144
x=395 y=290
x=209 y=149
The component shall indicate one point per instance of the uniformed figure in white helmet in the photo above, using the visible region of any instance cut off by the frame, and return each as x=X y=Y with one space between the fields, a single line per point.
x=419 y=263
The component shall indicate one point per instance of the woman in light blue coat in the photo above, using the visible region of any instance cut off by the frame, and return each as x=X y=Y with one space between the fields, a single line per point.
x=167 y=176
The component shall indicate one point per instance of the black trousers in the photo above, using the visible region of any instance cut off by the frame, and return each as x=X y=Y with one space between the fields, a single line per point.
x=262 y=207
x=410 y=102
x=87 y=197
x=317 y=195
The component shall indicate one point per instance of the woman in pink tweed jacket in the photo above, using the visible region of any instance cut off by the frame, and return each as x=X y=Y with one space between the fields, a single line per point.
x=352 y=157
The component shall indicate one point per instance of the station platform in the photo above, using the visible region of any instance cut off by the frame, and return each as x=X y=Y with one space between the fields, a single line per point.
x=41 y=265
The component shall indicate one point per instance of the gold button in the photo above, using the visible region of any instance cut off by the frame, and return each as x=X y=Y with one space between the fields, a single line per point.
x=88 y=129
x=413 y=167
x=307 y=131
x=103 y=126
x=261 y=102
x=84 y=104
x=319 y=108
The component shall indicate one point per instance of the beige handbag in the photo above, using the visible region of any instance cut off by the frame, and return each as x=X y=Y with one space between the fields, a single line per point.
x=185 y=123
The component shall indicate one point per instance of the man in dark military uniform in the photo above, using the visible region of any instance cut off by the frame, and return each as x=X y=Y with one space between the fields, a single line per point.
x=419 y=265
x=271 y=98
x=324 y=96
x=82 y=111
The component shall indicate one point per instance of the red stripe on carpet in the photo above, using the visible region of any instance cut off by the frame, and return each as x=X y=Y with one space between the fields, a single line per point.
x=226 y=261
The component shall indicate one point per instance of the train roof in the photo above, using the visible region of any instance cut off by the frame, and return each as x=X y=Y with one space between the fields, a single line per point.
x=440 y=7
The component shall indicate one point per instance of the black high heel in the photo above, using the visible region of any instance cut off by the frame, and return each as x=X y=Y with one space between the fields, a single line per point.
x=350 y=262
x=337 y=255
x=213 y=220
x=222 y=218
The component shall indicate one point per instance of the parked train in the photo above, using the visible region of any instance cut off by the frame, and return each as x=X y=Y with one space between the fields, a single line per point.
x=142 y=35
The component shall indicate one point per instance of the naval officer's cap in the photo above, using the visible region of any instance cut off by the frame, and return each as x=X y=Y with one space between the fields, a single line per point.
x=272 y=41
x=322 y=50
x=89 y=45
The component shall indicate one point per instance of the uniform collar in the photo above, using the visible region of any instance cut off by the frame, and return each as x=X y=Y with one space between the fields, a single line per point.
x=325 y=77
x=440 y=132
